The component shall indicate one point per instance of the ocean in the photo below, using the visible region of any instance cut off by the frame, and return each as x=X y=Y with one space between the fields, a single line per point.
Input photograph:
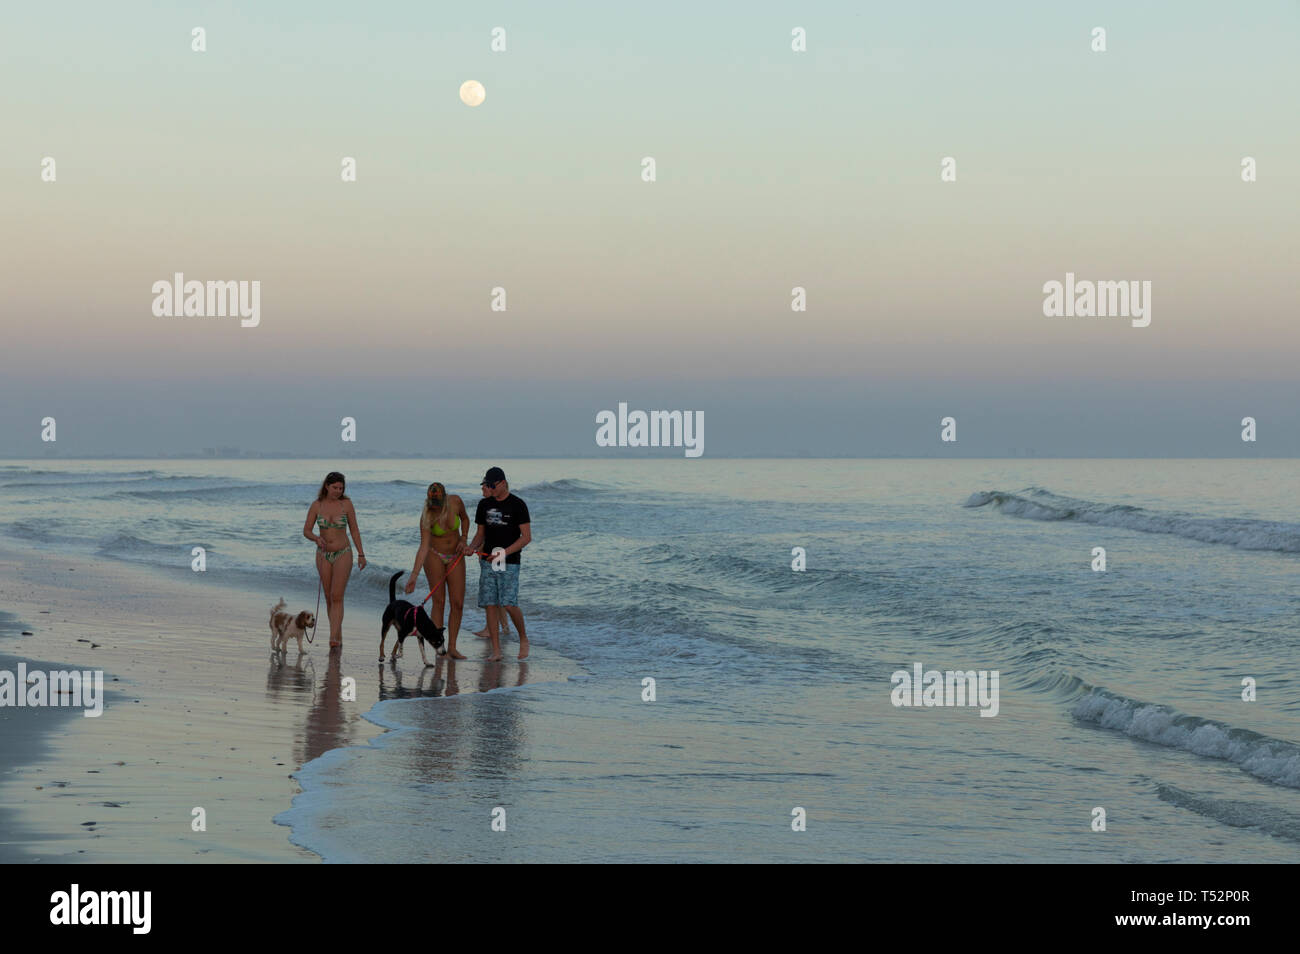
x=1119 y=690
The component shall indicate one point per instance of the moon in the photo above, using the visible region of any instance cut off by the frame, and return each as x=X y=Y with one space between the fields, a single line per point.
x=472 y=92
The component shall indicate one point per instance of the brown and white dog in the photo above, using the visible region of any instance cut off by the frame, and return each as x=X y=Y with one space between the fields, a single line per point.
x=285 y=626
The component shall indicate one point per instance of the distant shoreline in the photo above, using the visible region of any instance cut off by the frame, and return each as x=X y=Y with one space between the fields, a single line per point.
x=623 y=456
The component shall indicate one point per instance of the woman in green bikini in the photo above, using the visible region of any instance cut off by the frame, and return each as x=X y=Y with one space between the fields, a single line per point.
x=444 y=528
x=332 y=512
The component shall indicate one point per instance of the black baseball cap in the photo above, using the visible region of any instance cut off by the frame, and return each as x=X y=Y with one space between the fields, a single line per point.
x=494 y=476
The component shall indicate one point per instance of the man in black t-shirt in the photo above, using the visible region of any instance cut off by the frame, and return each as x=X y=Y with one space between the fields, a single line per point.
x=504 y=528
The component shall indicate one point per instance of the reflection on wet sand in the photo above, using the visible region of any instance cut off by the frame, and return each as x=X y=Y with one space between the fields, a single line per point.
x=481 y=736
x=485 y=736
x=497 y=737
x=327 y=721
x=440 y=679
x=296 y=678
x=392 y=684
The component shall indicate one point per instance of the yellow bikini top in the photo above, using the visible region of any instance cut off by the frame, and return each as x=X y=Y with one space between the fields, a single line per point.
x=437 y=531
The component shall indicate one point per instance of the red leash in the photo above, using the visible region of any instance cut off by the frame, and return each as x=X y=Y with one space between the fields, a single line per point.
x=450 y=567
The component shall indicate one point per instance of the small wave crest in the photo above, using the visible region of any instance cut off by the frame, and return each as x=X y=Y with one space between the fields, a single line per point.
x=127 y=546
x=38 y=531
x=63 y=482
x=77 y=475
x=1273 y=760
x=219 y=491
x=565 y=486
x=1035 y=503
x=1269 y=818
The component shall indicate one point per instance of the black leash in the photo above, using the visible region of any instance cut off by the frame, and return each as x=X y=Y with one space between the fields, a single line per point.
x=320 y=585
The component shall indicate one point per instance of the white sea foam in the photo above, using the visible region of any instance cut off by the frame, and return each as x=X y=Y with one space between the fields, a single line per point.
x=1270 y=759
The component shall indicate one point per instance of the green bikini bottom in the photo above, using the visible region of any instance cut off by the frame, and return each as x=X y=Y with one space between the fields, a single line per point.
x=331 y=557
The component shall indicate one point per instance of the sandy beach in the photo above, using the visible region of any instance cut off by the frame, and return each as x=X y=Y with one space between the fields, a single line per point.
x=197 y=711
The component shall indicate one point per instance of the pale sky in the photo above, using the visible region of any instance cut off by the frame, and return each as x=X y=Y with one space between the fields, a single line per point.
x=775 y=169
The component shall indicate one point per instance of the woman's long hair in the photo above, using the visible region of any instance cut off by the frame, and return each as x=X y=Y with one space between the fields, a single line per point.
x=432 y=516
x=333 y=477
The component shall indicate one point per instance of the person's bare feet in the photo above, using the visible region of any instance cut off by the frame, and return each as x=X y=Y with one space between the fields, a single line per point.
x=482 y=633
x=523 y=649
x=495 y=658
x=456 y=654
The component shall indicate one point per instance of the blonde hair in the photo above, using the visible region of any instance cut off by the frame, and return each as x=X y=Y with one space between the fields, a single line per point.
x=429 y=517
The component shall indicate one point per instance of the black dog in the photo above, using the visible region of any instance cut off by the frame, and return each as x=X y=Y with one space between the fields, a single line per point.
x=408 y=618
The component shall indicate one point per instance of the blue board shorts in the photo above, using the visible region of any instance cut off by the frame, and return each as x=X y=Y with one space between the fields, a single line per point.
x=498 y=587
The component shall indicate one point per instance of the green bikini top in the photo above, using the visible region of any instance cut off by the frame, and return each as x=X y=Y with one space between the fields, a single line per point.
x=322 y=522
x=437 y=531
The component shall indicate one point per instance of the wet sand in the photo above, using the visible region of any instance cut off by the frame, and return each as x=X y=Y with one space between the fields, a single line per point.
x=202 y=713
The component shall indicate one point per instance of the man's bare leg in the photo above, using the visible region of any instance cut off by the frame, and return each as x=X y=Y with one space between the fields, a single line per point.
x=492 y=615
x=512 y=612
x=505 y=628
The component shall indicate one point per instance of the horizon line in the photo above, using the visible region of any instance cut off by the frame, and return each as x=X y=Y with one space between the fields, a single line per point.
x=627 y=458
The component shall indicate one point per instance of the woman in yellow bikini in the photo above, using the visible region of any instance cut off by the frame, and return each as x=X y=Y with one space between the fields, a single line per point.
x=444 y=528
x=332 y=512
